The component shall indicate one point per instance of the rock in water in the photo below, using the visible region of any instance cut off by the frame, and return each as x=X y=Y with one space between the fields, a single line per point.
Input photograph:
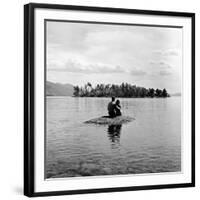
x=110 y=121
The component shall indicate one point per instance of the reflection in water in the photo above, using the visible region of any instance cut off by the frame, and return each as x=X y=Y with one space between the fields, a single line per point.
x=114 y=132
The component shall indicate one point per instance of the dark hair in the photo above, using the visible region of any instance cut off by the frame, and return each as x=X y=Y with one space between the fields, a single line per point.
x=118 y=102
x=113 y=98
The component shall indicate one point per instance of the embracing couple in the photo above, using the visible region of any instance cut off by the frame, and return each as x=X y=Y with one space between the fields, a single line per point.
x=114 y=108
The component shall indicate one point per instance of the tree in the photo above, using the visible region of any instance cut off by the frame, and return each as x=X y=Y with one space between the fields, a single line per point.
x=164 y=93
x=76 y=91
x=158 y=93
x=123 y=90
x=151 y=92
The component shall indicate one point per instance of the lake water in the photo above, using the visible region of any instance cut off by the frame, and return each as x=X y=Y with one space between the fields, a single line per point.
x=149 y=144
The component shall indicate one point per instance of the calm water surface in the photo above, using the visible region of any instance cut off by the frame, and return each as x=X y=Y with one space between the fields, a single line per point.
x=149 y=144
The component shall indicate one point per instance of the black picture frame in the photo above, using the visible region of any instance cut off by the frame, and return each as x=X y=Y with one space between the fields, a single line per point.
x=29 y=98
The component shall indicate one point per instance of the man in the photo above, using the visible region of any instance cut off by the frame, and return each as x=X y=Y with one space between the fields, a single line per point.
x=111 y=107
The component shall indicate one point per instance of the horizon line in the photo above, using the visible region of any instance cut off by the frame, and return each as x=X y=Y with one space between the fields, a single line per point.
x=178 y=92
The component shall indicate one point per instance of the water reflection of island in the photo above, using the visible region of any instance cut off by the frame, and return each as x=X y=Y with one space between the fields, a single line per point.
x=114 y=132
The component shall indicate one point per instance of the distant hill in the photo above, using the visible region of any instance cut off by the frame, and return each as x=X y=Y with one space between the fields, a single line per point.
x=58 y=89
x=176 y=94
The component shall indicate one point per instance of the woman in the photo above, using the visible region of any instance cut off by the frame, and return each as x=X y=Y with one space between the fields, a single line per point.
x=118 y=108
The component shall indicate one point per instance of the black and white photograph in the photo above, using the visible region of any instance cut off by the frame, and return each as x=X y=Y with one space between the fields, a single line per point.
x=113 y=99
x=108 y=100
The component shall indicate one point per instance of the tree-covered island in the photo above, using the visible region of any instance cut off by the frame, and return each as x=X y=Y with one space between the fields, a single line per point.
x=123 y=90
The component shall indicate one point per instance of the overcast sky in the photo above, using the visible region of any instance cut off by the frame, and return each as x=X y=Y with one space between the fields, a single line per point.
x=78 y=53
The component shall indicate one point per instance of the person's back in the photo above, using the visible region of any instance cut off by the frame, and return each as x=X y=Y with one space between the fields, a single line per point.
x=111 y=108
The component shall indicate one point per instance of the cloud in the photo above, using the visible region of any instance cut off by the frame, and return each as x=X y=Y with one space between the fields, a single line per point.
x=161 y=68
x=164 y=73
x=169 y=52
x=138 y=72
x=76 y=67
x=81 y=52
x=160 y=64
